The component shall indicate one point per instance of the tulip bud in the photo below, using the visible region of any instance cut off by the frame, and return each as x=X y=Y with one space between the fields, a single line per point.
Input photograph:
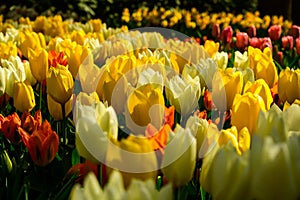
x=274 y=32
x=24 y=99
x=287 y=42
x=226 y=84
x=5 y=163
x=247 y=103
x=295 y=31
x=226 y=35
x=251 y=31
x=242 y=40
x=260 y=88
x=60 y=83
x=298 y=46
x=288 y=85
x=216 y=32
x=180 y=153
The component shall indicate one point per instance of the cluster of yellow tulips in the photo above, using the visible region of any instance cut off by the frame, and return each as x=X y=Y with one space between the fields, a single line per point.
x=151 y=109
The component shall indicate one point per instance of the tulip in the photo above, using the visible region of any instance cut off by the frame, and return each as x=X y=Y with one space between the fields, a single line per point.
x=133 y=157
x=241 y=60
x=29 y=40
x=76 y=57
x=42 y=144
x=95 y=124
x=38 y=59
x=31 y=123
x=198 y=128
x=288 y=85
x=247 y=103
x=260 y=88
x=223 y=167
x=112 y=73
x=298 y=46
x=7 y=50
x=274 y=32
x=144 y=105
x=287 y=42
x=255 y=42
x=179 y=91
x=242 y=40
x=225 y=85
x=4 y=75
x=251 y=31
x=274 y=171
x=226 y=35
x=295 y=31
x=222 y=59
x=291 y=116
x=180 y=153
x=55 y=58
x=29 y=76
x=211 y=47
x=216 y=32
x=115 y=189
x=9 y=127
x=265 y=42
x=78 y=37
x=6 y=164
x=24 y=99
x=263 y=65
x=55 y=108
x=60 y=83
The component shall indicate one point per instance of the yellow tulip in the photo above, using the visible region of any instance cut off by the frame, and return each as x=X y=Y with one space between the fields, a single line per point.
x=7 y=50
x=225 y=85
x=77 y=55
x=38 y=59
x=245 y=111
x=55 y=108
x=60 y=83
x=260 y=88
x=221 y=59
x=78 y=37
x=144 y=105
x=96 y=23
x=179 y=159
x=113 y=72
x=263 y=65
x=24 y=100
x=288 y=85
x=211 y=47
x=133 y=157
x=28 y=40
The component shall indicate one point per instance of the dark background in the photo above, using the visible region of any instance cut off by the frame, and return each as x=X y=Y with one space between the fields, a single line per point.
x=107 y=10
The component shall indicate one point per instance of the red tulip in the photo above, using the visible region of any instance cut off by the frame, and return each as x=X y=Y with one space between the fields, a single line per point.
x=251 y=31
x=295 y=31
x=42 y=144
x=31 y=123
x=215 y=32
x=255 y=42
x=55 y=58
x=9 y=126
x=227 y=34
x=274 y=32
x=287 y=42
x=242 y=40
x=265 y=42
x=83 y=169
x=298 y=46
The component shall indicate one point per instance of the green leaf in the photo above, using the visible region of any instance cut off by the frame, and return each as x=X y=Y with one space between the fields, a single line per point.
x=75 y=157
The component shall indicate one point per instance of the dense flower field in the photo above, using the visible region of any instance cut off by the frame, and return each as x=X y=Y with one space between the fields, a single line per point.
x=173 y=104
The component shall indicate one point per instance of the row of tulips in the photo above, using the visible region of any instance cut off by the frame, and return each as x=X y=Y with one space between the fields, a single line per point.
x=146 y=106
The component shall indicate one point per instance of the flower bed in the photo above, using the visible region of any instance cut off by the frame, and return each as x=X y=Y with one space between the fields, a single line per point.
x=90 y=111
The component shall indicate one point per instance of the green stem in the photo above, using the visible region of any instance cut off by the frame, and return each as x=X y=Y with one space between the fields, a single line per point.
x=41 y=96
x=64 y=133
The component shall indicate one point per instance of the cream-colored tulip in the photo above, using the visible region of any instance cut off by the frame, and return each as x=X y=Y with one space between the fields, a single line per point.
x=183 y=93
x=179 y=159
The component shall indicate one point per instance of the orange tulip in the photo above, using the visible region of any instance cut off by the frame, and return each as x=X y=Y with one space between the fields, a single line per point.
x=31 y=123
x=42 y=144
x=9 y=126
